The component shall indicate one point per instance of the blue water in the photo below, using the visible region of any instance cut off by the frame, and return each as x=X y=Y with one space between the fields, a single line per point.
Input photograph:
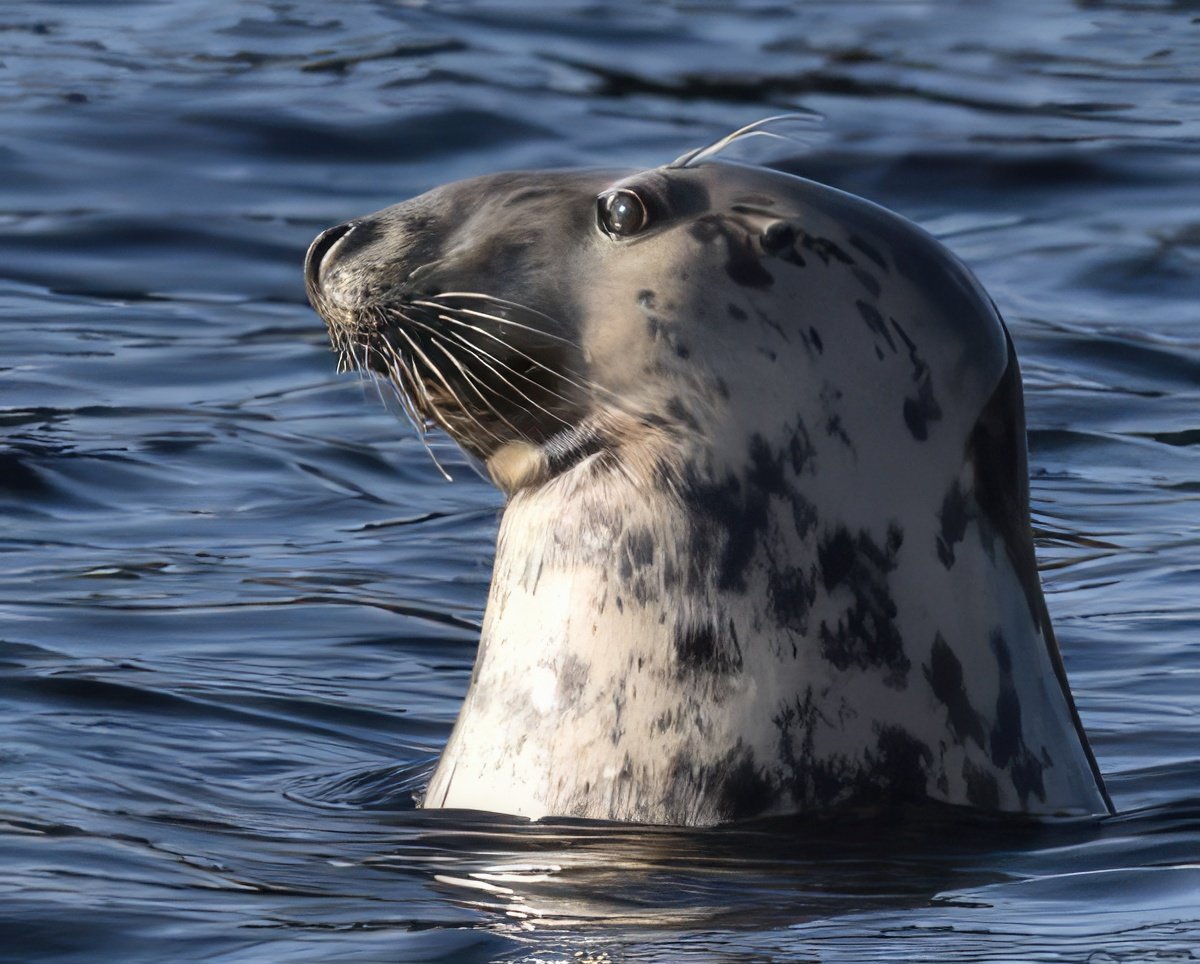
x=238 y=605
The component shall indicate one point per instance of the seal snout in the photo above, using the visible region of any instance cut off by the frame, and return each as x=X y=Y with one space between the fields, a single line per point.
x=319 y=251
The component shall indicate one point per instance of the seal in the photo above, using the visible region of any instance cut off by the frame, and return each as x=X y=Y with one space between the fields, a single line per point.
x=766 y=546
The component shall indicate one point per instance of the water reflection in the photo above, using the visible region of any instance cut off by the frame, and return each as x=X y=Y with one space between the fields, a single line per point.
x=564 y=874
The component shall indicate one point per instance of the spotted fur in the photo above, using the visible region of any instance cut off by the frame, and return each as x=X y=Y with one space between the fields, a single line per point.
x=766 y=547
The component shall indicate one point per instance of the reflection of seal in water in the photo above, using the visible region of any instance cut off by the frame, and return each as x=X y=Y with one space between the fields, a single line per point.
x=767 y=543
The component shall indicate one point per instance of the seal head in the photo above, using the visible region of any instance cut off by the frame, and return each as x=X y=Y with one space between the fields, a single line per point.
x=766 y=546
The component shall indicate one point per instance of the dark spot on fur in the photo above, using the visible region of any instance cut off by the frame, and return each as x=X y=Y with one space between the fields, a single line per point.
x=800 y=447
x=747 y=270
x=1027 y=777
x=898 y=768
x=868 y=281
x=722 y=388
x=771 y=323
x=835 y=429
x=945 y=676
x=658 y=330
x=868 y=250
x=614 y=735
x=696 y=645
x=830 y=396
x=742 y=264
x=732 y=516
x=920 y=411
x=811 y=781
x=910 y=345
x=791 y=592
x=894 y=770
x=636 y=556
x=953 y=516
x=1008 y=749
x=736 y=313
x=640 y=546
x=870 y=314
x=825 y=249
x=707 y=647
x=738 y=787
x=705 y=230
x=816 y=339
x=777 y=237
x=677 y=411
x=645 y=298
x=866 y=634
x=745 y=790
x=982 y=789
x=836 y=556
x=1006 y=730
x=572 y=678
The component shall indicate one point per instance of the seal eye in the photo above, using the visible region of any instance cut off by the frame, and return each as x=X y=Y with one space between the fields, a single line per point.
x=621 y=213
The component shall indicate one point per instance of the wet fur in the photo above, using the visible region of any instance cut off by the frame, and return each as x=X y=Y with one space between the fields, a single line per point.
x=766 y=547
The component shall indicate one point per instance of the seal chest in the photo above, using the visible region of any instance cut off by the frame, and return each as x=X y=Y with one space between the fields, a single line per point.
x=766 y=547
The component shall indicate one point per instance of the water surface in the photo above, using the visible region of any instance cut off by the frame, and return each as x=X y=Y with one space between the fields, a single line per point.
x=238 y=606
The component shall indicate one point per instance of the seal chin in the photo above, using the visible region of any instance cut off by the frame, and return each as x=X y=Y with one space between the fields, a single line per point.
x=517 y=465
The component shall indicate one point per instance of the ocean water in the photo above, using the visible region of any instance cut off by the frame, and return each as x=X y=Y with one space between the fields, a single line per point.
x=239 y=605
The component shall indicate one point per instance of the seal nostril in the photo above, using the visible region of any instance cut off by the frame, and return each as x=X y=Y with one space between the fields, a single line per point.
x=320 y=247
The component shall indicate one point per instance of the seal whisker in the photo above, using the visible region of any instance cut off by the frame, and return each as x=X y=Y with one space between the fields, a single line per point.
x=437 y=374
x=395 y=365
x=585 y=386
x=402 y=373
x=399 y=374
x=476 y=385
x=473 y=380
x=483 y=356
x=509 y=367
x=700 y=153
x=480 y=387
x=504 y=304
x=409 y=388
